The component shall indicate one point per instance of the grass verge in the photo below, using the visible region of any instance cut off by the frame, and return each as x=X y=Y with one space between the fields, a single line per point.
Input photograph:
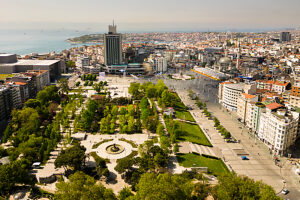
x=184 y=115
x=215 y=165
x=192 y=133
x=99 y=143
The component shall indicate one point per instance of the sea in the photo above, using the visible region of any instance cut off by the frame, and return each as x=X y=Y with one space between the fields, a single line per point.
x=23 y=42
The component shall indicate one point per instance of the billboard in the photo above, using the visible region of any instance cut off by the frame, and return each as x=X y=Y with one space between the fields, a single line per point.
x=102 y=76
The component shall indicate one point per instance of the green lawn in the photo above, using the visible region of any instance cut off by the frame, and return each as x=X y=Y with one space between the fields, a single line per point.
x=189 y=132
x=215 y=166
x=185 y=115
x=4 y=76
x=193 y=133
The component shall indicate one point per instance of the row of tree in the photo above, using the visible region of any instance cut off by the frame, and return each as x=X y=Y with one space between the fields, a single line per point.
x=221 y=129
x=89 y=77
x=34 y=133
x=152 y=186
x=152 y=158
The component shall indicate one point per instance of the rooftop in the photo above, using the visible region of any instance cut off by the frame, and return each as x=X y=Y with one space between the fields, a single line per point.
x=6 y=54
x=273 y=106
x=32 y=62
x=236 y=86
x=248 y=96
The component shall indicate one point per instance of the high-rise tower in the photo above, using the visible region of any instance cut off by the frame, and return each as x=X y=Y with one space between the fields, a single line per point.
x=112 y=46
x=285 y=37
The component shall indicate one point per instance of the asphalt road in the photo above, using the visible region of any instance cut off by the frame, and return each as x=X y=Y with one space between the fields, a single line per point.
x=261 y=165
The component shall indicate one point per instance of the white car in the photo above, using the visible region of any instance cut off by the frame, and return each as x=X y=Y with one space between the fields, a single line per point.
x=284 y=191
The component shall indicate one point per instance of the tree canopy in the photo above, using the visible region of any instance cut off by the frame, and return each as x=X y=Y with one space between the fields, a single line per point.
x=64 y=85
x=234 y=187
x=163 y=186
x=82 y=187
x=12 y=174
x=73 y=156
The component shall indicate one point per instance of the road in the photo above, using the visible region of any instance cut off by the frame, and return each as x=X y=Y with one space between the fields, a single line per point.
x=260 y=165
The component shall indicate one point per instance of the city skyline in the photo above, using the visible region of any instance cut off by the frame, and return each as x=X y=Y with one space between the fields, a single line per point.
x=133 y=15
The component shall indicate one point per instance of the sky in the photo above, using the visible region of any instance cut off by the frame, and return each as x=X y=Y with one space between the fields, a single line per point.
x=146 y=15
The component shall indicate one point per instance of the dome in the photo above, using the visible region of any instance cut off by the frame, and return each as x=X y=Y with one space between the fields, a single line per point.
x=225 y=60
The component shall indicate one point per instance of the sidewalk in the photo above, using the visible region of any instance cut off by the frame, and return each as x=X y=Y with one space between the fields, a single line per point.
x=258 y=167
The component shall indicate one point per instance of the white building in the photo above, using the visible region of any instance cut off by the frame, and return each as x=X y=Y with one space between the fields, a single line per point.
x=229 y=93
x=83 y=61
x=243 y=104
x=278 y=128
x=91 y=69
x=160 y=64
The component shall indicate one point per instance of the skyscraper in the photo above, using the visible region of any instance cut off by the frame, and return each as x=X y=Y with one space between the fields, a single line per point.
x=112 y=46
x=285 y=37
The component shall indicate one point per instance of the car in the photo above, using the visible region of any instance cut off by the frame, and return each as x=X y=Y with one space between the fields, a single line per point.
x=284 y=191
x=244 y=158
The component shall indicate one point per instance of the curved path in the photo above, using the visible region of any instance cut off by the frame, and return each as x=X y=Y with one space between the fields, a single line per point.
x=101 y=150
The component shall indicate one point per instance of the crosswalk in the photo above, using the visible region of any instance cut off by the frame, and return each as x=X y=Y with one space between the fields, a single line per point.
x=202 y=149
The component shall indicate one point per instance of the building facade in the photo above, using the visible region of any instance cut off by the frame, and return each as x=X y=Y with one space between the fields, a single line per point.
x=243 y=104
x=112 y=46
x=229 y=93
x=285 y=37
x=295 y=96
x=278 y=128
x=9 y=64
x=160 y=64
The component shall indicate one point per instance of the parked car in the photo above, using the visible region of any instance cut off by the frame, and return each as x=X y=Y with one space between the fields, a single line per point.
x=284 y=191
x=244 y=158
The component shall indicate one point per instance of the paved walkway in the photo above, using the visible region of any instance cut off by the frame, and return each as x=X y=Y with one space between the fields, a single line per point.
x=101 y=150
x=258 y=167
x=117 y=183
x=188 y=147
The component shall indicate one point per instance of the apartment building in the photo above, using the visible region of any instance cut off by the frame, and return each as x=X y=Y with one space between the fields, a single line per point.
x=295 y=96
x=243 y=104
x=278 y=127
x=229 y=93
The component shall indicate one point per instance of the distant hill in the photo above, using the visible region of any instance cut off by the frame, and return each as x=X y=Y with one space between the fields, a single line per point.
x=91 y=38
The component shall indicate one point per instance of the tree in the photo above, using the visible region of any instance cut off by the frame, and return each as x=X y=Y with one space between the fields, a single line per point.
x=164 y=142
x=217 y=122
x=131 y=110
x=131 y=125
x=12 y=174
x=124 y=164
x=24 y=122
x=114 y=110
x=98 y=87
x=176 y=148
x=101 y=168
x=71 y=157
x=138 y=125
x=227 y=134
x=134 y=89
x=160 y=129
x=151 y=91
x=160 y=87
x=82 y=187
x=64 y=85
x=48 y=94
x=163 y=186
x=234 y=187
x=32 y=103
x=125 y=193
x=201 y=191
x=70 y=64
